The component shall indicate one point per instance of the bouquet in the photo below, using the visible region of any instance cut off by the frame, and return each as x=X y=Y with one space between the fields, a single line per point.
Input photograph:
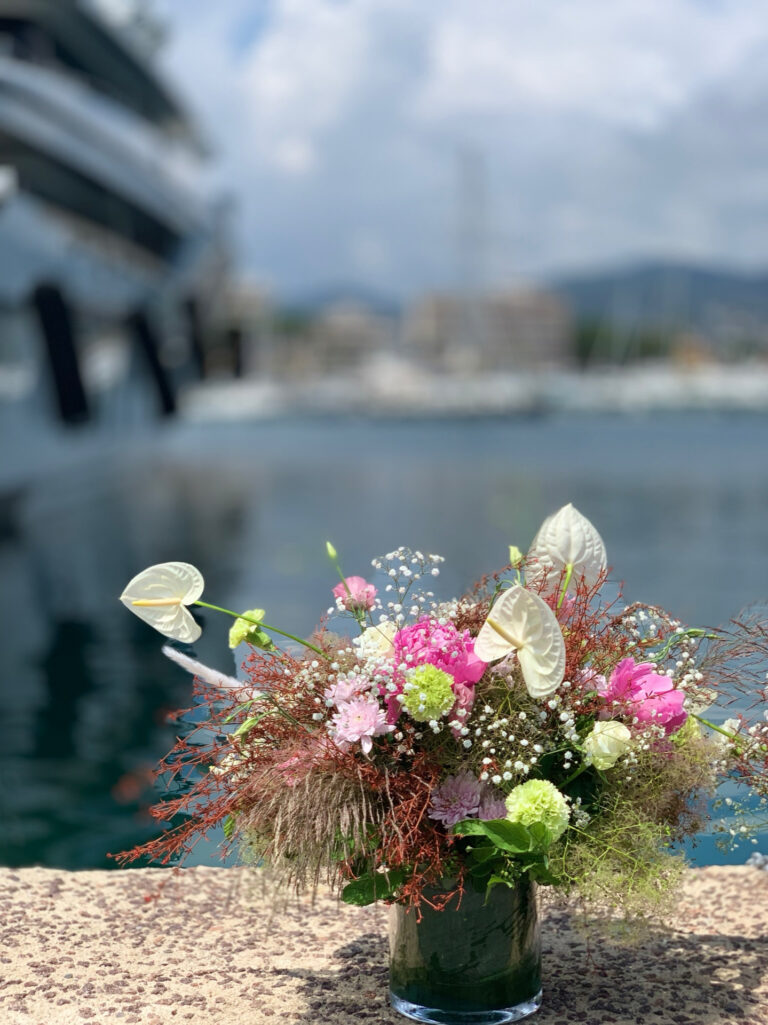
x=536 y=729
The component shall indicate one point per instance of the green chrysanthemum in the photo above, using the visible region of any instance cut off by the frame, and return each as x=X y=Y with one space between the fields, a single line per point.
x=538 y=800
x=428 y=694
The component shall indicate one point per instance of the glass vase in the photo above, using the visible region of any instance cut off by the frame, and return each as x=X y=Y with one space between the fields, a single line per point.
x=475 y=964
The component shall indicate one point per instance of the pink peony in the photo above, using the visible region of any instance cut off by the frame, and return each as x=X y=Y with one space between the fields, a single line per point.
x=428 y=642
x=648 y=695
x=355 y=594
x=465 y=699
x=439 y=645
x=360 y=719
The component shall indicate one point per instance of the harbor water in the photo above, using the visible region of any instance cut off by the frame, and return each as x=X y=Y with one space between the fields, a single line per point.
x=680 y=501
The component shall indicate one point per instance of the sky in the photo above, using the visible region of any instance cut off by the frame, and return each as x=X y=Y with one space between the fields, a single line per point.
x=404 y=145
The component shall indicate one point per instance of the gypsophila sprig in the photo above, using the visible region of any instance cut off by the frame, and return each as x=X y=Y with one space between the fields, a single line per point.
x=531 y=725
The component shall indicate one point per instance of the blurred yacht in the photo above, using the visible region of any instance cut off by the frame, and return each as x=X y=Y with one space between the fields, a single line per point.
x=112 y=245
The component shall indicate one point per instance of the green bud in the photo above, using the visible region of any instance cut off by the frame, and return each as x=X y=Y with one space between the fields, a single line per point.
x=515 y=555
x=331 y=551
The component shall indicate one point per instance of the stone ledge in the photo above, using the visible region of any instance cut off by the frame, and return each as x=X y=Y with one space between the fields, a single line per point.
x=200 y=946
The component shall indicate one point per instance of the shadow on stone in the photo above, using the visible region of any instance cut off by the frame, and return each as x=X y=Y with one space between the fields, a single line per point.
x=667 y=978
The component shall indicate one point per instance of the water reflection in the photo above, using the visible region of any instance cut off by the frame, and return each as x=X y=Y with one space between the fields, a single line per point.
x=680 y=503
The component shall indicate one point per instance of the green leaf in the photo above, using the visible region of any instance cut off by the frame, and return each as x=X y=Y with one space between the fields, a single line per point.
x=508 y=836
x=497 y=880
x=243 y=708
x=541 y=837
x=511 y=837
x=470 y=827
x=229 y=826
x=483 y=853
x=372 y=887
x=541 y=873
x=248 y=724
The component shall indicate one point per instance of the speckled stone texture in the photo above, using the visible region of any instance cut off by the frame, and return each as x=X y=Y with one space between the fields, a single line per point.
x=202 y=946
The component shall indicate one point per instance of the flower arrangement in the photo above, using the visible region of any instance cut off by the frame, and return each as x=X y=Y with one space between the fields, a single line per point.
x=535 y=728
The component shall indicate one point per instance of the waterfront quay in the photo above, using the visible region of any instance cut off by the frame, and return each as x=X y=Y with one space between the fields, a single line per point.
x=210 y=945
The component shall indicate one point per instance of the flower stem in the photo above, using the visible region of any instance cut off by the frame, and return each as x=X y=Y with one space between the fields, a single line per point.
x=712 y=726
x=573 y=775
x=264 y=626
x=566 y=582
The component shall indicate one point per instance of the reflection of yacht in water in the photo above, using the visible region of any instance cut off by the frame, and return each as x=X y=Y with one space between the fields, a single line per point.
x=110 y=246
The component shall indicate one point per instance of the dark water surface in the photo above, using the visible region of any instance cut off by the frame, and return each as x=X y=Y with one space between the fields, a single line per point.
x=681 y=502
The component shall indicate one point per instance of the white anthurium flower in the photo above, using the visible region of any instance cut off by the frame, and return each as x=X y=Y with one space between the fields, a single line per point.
x=158 y=595
x=567 y=547
x=521 y=621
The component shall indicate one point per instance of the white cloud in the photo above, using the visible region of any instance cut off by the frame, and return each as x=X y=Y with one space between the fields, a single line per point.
x=293 y=155
x=607 y=130
x=630 y=62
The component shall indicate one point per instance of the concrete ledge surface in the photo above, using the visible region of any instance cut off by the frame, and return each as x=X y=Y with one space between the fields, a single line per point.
x=203 y=946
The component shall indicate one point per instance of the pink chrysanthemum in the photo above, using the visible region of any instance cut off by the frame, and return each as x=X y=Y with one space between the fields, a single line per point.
x=360 y=719
x=492 y=806
x=464 y=797
x=346 y=689
x=458 y=797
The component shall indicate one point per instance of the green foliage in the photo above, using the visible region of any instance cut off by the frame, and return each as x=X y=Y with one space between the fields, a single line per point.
x=509 y=837
x=622 y=862
x=498 y=851
x=373 y=886
x=597 y=341
x=291 y=322
x=248 y=724
x=242 y=708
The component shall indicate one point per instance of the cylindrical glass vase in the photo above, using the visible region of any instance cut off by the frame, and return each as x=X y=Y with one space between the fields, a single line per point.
x=476 y=964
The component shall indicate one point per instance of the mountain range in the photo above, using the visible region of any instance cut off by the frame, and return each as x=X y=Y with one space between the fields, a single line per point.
x=671 y=295
x=721 y=302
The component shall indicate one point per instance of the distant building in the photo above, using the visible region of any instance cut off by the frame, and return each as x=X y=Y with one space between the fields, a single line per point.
x=337 y=340
x=501 y=331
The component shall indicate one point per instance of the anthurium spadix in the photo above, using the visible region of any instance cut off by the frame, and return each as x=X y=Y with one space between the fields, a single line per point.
x=566 y=550
x=159 y=595
x=521 y=621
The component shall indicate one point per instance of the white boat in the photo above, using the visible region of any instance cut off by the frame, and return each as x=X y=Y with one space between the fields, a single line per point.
x=111 y=244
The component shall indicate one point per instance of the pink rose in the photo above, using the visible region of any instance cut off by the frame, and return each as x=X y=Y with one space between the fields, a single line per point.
x=355 y=594
x=647 y=694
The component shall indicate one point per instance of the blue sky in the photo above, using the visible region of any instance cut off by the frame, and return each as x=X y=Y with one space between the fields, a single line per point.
x=603 y=133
